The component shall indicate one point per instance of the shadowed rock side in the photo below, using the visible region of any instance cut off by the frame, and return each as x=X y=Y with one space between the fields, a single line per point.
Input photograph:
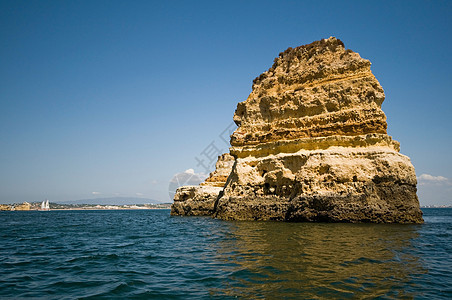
x=200 y=200
x=312 y=145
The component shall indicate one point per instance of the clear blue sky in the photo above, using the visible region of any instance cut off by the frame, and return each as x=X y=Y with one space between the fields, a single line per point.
x=112 y=98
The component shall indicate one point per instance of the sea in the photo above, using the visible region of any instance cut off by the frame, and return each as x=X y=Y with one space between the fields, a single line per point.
x=148 y=254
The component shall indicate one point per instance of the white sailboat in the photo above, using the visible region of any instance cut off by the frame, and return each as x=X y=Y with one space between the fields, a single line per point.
x=45 y=205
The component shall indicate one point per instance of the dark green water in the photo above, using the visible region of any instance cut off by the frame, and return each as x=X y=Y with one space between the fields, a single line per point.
x=148 y=254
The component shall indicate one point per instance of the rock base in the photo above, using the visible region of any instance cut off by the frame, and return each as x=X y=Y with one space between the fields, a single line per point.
x=334 y=185
x=195 y=200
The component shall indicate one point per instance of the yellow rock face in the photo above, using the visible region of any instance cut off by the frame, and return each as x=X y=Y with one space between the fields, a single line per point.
x=223 y=168
x=317 y=90
x=291 y=146
x=311 y=145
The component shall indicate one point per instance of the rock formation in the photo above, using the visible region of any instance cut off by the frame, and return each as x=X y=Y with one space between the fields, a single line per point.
x=311 y=145
x=199 y=200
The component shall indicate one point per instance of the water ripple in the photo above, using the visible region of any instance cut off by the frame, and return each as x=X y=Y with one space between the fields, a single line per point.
x=148 y=254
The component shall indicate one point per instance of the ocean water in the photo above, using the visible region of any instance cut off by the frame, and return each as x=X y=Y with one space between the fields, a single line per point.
x=147 y=254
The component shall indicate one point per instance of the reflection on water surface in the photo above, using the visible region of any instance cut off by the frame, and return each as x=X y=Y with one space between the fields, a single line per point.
x=275 y=259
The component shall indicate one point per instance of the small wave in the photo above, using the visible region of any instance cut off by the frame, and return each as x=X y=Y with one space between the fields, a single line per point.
x=201 y=258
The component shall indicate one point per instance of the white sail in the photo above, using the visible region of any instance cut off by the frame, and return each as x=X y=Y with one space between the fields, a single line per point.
x=45 y=205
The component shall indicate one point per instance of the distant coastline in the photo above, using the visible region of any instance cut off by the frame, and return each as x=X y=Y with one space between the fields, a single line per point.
x=36 y=206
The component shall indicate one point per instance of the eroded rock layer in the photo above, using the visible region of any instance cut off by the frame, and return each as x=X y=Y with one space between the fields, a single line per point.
x=316 y=90
x=200 y=200
x=223 y=168
x=195 y=200
x=311 y=145
x=335 y=185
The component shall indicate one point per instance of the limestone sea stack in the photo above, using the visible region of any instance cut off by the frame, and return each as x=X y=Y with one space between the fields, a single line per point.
x=312 y=145
x=200 y=200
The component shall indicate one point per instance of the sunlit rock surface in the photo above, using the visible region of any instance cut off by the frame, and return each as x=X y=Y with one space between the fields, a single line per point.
x=311 y=145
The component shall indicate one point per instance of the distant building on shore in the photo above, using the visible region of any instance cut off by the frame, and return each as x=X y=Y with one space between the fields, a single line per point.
x=23 y=206
x=5 y=207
